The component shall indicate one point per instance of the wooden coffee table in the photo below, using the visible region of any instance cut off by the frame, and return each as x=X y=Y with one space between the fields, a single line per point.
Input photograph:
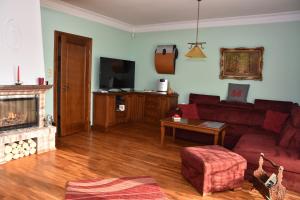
x=200 y=126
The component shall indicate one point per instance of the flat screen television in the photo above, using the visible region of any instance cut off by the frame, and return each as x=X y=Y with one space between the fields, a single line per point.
x=116 y=73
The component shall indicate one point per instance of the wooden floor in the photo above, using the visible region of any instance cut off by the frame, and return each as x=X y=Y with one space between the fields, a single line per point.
x=126 y=150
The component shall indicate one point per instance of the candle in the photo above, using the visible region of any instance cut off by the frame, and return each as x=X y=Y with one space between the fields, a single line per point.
x=18 y=75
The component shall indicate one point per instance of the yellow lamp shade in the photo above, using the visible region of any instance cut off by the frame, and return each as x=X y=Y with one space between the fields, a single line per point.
x=195 y=52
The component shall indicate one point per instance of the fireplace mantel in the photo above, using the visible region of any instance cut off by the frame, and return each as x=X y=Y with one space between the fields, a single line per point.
x=16 y=88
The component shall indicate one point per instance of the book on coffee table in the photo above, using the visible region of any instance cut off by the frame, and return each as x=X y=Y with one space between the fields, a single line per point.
x=211 y=124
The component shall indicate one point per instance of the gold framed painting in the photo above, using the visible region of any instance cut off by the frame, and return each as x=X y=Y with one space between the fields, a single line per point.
x=241 y=63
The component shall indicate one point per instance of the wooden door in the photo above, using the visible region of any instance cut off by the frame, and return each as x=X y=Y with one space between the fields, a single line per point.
x=73 y=83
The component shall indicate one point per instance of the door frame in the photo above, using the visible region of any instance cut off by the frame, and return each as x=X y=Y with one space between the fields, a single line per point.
x=57 y=35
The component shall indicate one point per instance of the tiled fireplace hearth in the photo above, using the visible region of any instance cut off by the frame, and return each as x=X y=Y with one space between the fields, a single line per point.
x=22 y=114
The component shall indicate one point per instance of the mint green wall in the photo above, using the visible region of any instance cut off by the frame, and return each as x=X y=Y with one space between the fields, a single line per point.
x=107 y=41
x=281 y=69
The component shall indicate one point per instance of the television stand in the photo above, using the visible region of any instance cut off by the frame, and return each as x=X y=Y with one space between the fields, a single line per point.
x=138 y=106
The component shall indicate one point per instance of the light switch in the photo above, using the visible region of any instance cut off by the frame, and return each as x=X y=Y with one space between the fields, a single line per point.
x=49 y=73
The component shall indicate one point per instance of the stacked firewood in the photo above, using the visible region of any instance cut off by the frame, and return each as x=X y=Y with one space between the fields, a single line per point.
x=19 y=149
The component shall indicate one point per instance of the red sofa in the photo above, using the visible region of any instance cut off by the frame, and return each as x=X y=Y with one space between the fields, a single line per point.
x=246 y=136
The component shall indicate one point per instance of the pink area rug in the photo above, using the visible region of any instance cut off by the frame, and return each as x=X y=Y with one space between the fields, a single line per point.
x=137 y=188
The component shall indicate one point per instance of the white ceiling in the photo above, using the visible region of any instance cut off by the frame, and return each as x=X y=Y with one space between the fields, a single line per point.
x=145 y=12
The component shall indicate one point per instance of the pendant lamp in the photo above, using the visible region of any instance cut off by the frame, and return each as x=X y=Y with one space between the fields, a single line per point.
x=196 y=48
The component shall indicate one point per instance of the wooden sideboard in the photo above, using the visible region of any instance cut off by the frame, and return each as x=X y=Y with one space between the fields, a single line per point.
x=139 y=106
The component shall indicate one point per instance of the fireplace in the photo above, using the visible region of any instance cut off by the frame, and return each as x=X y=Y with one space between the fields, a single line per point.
x=20 y=111
x=24 y=106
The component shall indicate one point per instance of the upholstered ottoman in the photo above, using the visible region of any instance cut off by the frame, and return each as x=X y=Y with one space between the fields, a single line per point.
x=212 y=168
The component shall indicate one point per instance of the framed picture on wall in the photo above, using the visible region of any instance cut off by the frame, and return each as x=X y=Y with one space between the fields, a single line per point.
x=241 y=63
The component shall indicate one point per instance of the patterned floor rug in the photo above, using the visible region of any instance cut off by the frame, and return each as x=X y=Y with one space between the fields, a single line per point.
x=128 y=188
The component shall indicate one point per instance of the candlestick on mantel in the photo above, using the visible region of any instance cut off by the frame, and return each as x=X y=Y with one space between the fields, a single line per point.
x=18 y=77
x=18 y=74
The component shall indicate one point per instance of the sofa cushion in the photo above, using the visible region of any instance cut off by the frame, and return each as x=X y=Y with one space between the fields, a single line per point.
x=231 y=115
x=189 y=111
x=295 y=141
x=235 y=131
x=239 y=116
x=280 y=106
x=203 y=99
x=208 y=112
x=255 y=142
x=233 y=104
x=296 y=116
x=274 y=121
x=235 y=116
x=250 y=147
x=288 y=134
x=238 y=92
